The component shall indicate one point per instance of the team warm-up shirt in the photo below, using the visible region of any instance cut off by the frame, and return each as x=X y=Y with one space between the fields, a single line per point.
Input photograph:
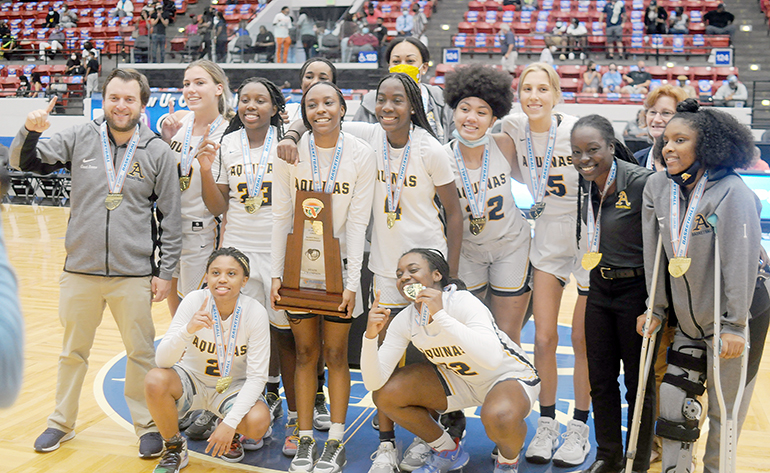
x=351 y=200
x=462 y=337
x=245 y=231
x=195 y=216
x=198 y=351
x=504 y=219
x=417 y=217
x=562 y=188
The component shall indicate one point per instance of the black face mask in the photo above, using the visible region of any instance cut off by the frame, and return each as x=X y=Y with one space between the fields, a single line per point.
x=686 y=177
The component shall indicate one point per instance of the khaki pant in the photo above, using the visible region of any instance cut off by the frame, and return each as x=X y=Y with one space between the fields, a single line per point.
x=82 y=301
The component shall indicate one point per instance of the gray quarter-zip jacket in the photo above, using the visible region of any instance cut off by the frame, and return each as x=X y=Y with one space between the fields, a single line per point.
x=121 y=242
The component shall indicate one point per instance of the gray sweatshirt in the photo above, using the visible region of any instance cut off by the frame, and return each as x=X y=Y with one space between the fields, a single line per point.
x=737 y=209
x=121 y=242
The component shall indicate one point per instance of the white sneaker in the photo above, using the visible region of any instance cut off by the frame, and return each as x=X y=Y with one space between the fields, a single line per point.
x=544 y=443
x=575 y=449
x=322 y=419
x=385 y=459
x=415 y=455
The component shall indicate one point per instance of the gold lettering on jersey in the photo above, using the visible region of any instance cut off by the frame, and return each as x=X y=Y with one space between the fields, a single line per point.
x=442 y=352
x=237 y=169
x=623 y=202
x=556 y=161
x=409 y=180
x=342 y=188
x=492 y=183
x=210 y=347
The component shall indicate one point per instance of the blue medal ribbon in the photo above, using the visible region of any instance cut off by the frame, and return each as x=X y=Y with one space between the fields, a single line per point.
x=476 y=203
x=189 y=154
x=254 y=182
x=225 y=358
x=650 y=159
x=594 y=226
x=335 y=166
x=116 y=181
x=394 y=196
x=681 y=241
x=539 y=182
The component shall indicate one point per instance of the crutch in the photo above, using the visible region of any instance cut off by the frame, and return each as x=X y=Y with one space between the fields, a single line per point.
x=648 y=352
x=728 y=442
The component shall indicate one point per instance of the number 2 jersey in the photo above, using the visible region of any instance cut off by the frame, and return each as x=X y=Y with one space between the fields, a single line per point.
x=562 y=186
x=198 y=351
x=462 y=337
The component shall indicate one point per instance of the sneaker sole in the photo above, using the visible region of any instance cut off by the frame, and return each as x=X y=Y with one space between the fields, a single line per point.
x=68 y=436
x=289 y=452
x=566 y=464
x=331 y=471
x=321 y=427
x=233 y=460
x=538 y=460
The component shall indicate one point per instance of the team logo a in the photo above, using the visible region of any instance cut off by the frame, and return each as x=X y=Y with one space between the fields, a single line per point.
x=136 y=171
x=312 y=207
x=623 y=202
x=701 y=225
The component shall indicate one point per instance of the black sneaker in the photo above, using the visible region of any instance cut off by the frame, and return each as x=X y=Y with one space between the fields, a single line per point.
x=304 y=459
x=275 y=404
x=203 y=426
x=51 y=439
x=150 y=445
x=174 y=457
x=332 y=458
x=188 y=419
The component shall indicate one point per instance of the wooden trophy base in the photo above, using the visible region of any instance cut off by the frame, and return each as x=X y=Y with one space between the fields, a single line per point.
x=313 y=301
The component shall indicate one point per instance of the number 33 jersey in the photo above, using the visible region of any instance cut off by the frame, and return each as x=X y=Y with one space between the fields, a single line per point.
x=562 y=186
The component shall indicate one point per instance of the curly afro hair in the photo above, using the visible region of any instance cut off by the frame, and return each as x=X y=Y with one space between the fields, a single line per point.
x=722 y=142
x=484 y=82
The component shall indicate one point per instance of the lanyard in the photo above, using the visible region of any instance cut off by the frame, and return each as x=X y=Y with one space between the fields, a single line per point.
x=189 y=154
x=394 y=196
x=594 y=227
x=681 y=241
x=477 y=204
x=116 y=181
x=538 y=185
x=254 y=183
x=335 y=166
x=225 y=358
x=650 y=164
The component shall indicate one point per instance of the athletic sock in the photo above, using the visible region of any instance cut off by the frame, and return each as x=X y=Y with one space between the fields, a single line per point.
x=337 y=431
x=443 y=443
x=506 y=461
x=306 y=433
x=582 y=416
x=548 y=411
x=388 y=436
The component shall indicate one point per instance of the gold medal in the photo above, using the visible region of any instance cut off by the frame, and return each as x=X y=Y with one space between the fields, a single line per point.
x=536 y=210
x=477 y=225
x=412 y=290
x=678 y=266
x=318 y=227
x=112 y=201
x=391 y=219
x=590 y=260
x=252 y=204
x=224 y=383
x=184 y=183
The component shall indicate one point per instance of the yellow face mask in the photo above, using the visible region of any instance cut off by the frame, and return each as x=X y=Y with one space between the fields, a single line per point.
x=411 y=71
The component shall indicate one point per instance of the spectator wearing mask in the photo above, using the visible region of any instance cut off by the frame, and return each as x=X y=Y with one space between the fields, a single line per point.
x=420 y=20
x=614 y=14
x=557 y=40
x=592 y=78
x=360 y=41
x=159 y=20
x=372 y=14
x=92 y=73
x=281 y=25
x=577 y=35
x=404 y=23
x=123 y=8
x=655 y=18
x=51 y=19
x=54 y=43
x=638 y=81
x=732 y=93
x=67 y=18
x=74 y=66
x=679 y=22
x=611 y=80
x=719 y=21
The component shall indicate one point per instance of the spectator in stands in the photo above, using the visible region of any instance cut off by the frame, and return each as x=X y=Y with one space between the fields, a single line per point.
x=679 y=22
x=204 y=30
x=577 y=35
x=637 y=81
x=281 y=25
x=54 y=43
x=4 y=29
x=659 y=109
x=420 y=20
x=635 y=128
x=360 y=41
x=529 y=5
x=612 y=80
x=92 y=74
x=684 y=84
x=757 y=163
x=349 y=26
x=23 y=90
x=404 y=23
x=36 y=86
x=242 y=30
x=75 y=66
x=732 y=93
x=88 y=46
x=614 y=14
x=307 y=33
x=67 y=18
x=655 y=18
x=265 y=43
x=143 y=25
x=123 y=8
x=192 y=28
x=159 y=20
x=508 y=46
x=592 y=78
x=372 y=14
x=719 y=21
x=557 y=40
x=220 y=36
x=51 y=19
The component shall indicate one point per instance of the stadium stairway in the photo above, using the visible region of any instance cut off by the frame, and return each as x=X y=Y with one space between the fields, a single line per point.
x=752 y=48
x=449 y=12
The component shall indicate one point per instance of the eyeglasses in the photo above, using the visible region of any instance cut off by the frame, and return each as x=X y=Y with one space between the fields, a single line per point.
x=666 y=115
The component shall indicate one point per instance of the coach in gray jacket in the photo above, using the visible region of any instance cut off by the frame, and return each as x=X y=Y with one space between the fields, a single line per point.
x=125 y=203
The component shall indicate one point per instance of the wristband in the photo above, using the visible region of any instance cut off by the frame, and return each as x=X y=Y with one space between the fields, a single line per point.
x=291 y=137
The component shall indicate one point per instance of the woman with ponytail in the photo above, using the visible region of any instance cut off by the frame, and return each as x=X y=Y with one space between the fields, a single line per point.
x=470 y=362
x=613 y=185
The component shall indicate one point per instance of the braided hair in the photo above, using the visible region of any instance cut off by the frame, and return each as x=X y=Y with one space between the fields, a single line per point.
x=415 y=99
x=607 y=132
x=276 y=97
x=437 y=262
x=234 y=253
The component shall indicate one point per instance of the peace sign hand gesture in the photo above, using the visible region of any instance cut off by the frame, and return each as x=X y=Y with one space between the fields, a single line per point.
x=37 y=120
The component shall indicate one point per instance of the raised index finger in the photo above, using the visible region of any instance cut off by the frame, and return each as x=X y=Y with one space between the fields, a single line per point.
x=171 y=106
x=376 y=302
x=51 y=104
x=205 y=303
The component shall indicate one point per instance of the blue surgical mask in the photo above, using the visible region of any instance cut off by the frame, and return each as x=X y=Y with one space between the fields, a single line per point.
x=483 y=141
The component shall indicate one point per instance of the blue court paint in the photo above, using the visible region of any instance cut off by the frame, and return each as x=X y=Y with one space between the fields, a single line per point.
x=361 y=438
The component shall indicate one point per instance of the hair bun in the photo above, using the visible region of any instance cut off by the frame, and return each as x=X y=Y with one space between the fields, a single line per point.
x=688 y=105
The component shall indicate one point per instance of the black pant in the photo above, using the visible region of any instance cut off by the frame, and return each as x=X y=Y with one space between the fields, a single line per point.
x=611 y=312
